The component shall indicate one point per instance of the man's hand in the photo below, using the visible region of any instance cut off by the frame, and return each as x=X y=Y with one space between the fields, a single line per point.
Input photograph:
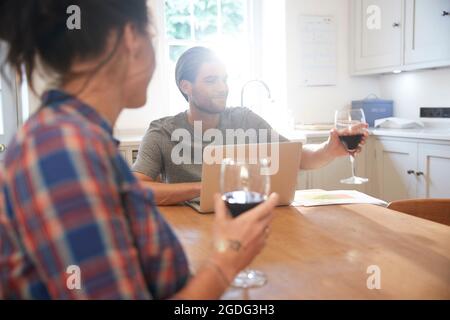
x=334 y=147
x=170 y=193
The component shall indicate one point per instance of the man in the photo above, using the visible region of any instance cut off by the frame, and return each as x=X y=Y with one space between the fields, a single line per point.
x=202 y=79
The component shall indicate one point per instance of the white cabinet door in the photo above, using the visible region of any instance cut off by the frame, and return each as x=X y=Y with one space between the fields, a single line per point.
x=396 y=167
x=380 y=46
x=129 y=152
x=303 y=180
x=328 y=177
x=434 y=171
x=427 y=32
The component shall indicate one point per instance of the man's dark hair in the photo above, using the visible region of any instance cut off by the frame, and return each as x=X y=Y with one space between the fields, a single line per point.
x=189 y=63
x=37 y=28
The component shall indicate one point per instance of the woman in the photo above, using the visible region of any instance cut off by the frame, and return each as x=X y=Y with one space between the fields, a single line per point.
x=68 y=198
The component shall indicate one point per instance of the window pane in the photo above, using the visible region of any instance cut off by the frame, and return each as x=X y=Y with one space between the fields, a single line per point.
x=219 y=24
x=232 y=16
x=175 y=52
x=178 y=19
x=205 y=13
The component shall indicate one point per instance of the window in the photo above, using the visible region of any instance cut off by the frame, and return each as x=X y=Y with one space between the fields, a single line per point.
x=8 y=107
x=1 y=110
x=222 y=25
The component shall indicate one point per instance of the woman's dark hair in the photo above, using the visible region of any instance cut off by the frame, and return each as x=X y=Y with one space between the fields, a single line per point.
x=37 y=28
x=189 y=63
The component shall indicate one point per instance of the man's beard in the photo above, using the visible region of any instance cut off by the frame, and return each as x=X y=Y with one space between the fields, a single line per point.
x=209 y=110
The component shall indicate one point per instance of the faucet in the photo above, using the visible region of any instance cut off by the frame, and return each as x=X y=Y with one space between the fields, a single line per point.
x=255 y=80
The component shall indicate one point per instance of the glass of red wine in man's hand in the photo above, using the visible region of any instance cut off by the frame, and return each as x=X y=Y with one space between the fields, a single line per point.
x=350 y=125
x=244 y=185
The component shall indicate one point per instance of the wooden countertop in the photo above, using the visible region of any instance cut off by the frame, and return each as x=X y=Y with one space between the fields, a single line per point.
x=324 y=253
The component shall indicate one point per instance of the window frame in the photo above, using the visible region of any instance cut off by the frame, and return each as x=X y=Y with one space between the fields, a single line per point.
x=11 y=107
x=252 y=22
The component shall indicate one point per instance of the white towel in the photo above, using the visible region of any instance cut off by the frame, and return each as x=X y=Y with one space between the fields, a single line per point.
x=398 y=123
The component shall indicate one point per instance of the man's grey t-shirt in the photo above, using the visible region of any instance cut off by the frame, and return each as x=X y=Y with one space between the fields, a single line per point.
x=155 y=152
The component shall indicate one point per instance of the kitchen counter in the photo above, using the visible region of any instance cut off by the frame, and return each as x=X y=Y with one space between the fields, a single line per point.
x=425 y=133
x=433 y=133
x=129 y=140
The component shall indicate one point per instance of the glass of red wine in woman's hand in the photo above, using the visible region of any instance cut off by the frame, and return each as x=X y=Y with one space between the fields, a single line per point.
x=244 y=185
x=350 y=125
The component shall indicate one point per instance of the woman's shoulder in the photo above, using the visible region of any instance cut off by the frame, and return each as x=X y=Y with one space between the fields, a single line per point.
x=46 y=131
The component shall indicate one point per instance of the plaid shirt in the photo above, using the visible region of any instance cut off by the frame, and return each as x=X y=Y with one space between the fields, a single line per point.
x=68 y=198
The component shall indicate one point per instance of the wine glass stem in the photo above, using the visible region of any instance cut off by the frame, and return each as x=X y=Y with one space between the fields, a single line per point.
x=352 y=161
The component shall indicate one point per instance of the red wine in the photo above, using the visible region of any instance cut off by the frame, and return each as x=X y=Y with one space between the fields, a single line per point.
x=240 y=201
x=351 y=142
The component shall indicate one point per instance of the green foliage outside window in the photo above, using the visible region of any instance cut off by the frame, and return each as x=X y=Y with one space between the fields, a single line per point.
x=201 y=21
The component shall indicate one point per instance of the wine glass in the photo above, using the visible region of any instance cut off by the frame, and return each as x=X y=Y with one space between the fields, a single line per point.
x=350 y=125
x=244 y=185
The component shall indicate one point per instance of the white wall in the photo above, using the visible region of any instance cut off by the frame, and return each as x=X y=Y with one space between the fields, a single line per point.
x=136 y=121
x=412 y=90
x=317 y=104
x=270 y=53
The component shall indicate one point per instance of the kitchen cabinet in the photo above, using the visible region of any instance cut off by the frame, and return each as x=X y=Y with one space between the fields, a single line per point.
x=411 y=34
x=427 y=36
x=433 y=170
x=129 y=151
x=411 y=169
x=328 y=177
x=396 y=163
x=397 y=168
x=377 y=47
x=303 y=180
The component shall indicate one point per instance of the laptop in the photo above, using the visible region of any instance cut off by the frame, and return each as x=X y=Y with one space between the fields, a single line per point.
x=283 y=169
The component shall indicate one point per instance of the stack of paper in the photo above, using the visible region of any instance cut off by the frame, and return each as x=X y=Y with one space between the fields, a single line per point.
x=309 y=198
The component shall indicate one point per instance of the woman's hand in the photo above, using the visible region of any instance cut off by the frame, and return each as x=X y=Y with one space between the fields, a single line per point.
x=239 y=240
x=334 y=146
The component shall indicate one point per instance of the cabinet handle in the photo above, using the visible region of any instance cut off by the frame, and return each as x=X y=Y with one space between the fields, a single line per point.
x=445 y=13
x=396 y=24
x=419 y=173
x=2 y=147
x=410 y=172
